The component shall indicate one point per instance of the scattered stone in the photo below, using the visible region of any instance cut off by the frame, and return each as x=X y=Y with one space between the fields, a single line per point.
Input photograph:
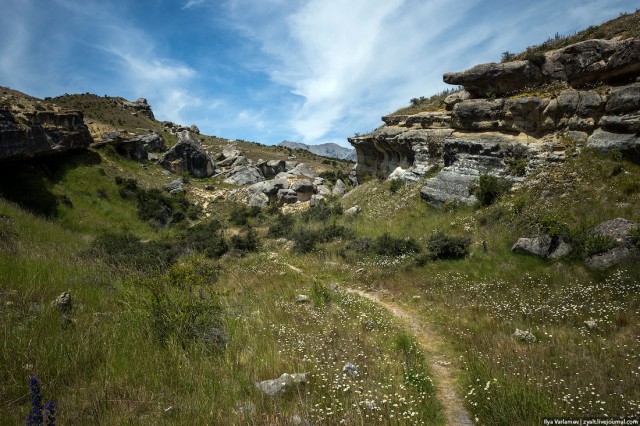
x=524 y=336
x=175 y=186
x=591 y=324
x=350 y=369
x=282 y=385
x=360 y=271
x=353 y=211
x=302 y=298
x=63 y=302
x=296 y=419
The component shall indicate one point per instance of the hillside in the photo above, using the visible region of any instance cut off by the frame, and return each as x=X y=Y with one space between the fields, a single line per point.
x=478 y=266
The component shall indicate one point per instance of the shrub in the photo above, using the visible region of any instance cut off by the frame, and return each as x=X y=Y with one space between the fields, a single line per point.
x=596 y=244
x=395 y=185
x=241 y=215
x=489 y=189
x=516 y=166
x=282 y=227
x=245 y=243
x=386 y=245
x=305 y=240
x=206 y=238
x=442 y=246
x=635 y=234
x=321 y=212
x=320 y=294
x=536 y=57
x=125 y=250
x=361 y=245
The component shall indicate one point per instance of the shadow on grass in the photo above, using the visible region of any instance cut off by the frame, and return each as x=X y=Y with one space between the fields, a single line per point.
x=28 y=183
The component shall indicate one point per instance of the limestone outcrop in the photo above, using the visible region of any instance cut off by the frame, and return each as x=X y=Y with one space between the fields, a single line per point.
x=511 y=134
x=582 y=63
x=188 y=156
x=26 y=133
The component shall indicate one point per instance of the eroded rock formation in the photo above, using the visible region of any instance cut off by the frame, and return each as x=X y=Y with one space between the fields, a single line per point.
x=512 y=133
x=26 y=134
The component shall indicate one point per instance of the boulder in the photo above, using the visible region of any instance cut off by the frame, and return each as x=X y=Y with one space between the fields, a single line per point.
x=455 y=98
x=140 y=105
x=543 y=246
x=287 y=196
x=258 y=199
x=282 y=385
x=194 y=129
x=244 y=175
x=577 y=64
x=188 y=156
x=303 y=186
x=496 y=79
x=628 y=144
x=323 y=190
x=230 y=151
x=303 y=170
x=175 y=186
x=625 y=249
x=353 y=211
x=339 y=189
x=152 y=142
x=316 y=200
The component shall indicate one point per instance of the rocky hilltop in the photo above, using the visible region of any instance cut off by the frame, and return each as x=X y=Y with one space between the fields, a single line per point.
x=512 y=119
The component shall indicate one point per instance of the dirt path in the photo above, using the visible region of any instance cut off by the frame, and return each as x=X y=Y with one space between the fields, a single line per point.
x=435 y=350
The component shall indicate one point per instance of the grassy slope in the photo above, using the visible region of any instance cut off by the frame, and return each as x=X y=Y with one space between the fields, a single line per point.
x=481 y=300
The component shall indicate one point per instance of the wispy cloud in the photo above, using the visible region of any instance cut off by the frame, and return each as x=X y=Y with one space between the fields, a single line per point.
x=191 y=3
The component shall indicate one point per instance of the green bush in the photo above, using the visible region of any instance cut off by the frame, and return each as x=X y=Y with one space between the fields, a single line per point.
x=536 y=57
x=305 y=240
x=320 y=294
x=240 y=216
x=395 y=185
x=386 y=245
x=596 y=244
x=321 y=212
x=245 y=243
x=489 y=189
x=125 y=250
x=282 y=227
x=206 y=238
x=442 y=246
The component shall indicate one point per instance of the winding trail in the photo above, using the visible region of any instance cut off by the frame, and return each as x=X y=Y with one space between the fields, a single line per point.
x=435 y=350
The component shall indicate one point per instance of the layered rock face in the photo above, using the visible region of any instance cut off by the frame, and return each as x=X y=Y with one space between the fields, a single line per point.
x=513 y=135
x=188 y=156
x=27 y=134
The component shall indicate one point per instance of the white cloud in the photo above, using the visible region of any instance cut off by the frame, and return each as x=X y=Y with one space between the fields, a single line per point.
x=191 y=3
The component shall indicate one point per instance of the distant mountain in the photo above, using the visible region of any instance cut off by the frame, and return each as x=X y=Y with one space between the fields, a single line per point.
x=330 y=150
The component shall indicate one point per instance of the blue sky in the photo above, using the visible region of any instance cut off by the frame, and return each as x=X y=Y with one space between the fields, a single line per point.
x=311 y=71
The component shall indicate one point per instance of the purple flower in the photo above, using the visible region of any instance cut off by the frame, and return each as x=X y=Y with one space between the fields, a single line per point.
x=35 y=416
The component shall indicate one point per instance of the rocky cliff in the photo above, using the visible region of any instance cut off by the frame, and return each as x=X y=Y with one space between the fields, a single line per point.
x=30 y=128
x=513 y=118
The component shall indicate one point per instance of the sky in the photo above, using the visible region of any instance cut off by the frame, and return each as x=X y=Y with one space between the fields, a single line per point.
x=311 y=71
